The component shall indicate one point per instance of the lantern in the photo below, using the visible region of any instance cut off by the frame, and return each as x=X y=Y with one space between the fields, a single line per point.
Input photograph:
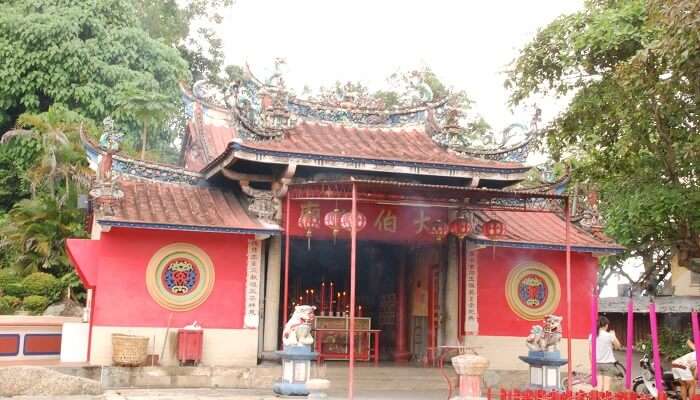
x=332 y=221
x=346 y=221
x=309 y=221
x=439 y=230
x=493 y=229
x=461 y=226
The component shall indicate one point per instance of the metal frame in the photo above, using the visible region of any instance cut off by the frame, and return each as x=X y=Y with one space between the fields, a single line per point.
x=357 y=190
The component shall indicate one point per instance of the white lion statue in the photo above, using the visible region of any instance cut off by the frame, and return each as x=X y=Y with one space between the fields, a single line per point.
x=545 y=338
x=297 y=331
x=533 y=339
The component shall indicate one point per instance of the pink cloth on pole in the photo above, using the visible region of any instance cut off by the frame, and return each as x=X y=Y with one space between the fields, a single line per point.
x=630 y=344
x=594 y=337
x=696 y=340
x=655 y=347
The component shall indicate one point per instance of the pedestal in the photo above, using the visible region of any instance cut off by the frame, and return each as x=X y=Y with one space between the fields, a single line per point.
x=544 y=369
x=296 y=371
x=318 y=388
x=470 y=368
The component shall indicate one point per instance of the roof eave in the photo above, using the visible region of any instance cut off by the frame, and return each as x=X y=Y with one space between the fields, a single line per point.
x=191 y=228
x=241 y=151
x=549 y=246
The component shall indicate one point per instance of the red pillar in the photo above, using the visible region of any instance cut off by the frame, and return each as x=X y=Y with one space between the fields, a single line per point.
x=401 y=353
x=353 y=261
x=288 y=238
x=569 y=373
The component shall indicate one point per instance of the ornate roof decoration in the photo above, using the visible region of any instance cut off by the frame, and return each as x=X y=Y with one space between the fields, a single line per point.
x=267 y=110
x=446 y=126
x=121 y=165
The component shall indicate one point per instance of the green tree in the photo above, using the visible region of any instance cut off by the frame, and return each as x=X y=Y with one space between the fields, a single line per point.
x=174 y=22
x=149 y=107
x=60 y=164
x=16 y=157
x=35 y=231
x=78 y=53
x=632 y=68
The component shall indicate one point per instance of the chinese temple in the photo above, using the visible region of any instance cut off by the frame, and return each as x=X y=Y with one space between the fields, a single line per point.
x=377 y=216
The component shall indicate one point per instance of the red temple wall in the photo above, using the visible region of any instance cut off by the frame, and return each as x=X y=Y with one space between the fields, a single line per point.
x=495 y=315
x=121 y=297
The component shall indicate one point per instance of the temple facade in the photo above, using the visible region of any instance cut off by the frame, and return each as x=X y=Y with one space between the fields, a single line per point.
x=254 y=219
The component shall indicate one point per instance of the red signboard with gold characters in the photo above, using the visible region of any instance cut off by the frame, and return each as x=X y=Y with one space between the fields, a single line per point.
x=532 y=290
x=382 y=222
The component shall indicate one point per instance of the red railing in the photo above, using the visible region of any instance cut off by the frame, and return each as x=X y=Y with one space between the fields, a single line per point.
x=503 y=394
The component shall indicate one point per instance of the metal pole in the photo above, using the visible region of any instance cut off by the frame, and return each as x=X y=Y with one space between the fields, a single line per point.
x=288 y=237
x=569 y=373
x=353 y=260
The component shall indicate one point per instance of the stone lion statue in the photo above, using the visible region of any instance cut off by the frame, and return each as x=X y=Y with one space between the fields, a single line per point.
x=545 y=337
x=533 y=339
x=297 y=331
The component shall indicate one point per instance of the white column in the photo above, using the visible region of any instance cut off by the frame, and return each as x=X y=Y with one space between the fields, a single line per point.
x=272 y=294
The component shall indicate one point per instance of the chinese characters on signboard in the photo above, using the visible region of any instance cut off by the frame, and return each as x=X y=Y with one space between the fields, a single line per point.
x=472 y=317
x=252 y=284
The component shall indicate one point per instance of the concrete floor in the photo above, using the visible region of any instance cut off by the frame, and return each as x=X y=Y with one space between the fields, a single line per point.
x=231 y=394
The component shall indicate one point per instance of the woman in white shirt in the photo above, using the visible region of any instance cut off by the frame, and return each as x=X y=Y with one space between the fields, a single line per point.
x=606 y=342
x=683 y=370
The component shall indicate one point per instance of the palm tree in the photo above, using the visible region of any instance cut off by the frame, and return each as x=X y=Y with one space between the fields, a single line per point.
x=149 y=107
x=62 y=162
x=35 y=231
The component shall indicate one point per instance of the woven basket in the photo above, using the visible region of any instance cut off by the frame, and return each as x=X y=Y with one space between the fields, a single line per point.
x=129 y=350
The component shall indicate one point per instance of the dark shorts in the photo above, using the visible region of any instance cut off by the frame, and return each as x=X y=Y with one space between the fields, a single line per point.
x=607 y=369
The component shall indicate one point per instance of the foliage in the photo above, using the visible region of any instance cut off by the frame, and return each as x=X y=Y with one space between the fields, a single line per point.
x=672 y=343
x=74 y=285
x=145 y=105
x=15 y=289
x=179 y=24
x=79 y=54
x=36 y=230
x=60 y=163
x=7 y=277
x=43 y=284
x=35 y=304
x=16 y=158
x=5 y=307
x=631 y=128
x=14 y=302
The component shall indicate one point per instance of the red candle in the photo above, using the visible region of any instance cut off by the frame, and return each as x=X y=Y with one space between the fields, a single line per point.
x=330 y=301
x=306 y=294
x=323 y=298
x=313 y=298
x=359 y=311
x=338 y=303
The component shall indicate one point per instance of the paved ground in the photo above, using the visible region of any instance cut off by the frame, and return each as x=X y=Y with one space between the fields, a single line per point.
x=226 y=394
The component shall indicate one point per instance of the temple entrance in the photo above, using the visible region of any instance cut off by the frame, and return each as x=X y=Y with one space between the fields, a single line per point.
x=388 y=308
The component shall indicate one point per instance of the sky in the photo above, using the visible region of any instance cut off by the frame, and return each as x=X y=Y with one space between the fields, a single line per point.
x=467 y=43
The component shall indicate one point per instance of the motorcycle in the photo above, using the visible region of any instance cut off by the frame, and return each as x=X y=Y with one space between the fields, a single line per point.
x=646 y=382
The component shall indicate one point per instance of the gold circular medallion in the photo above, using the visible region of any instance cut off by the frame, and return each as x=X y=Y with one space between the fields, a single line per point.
x=533 y=290
x=180 y=277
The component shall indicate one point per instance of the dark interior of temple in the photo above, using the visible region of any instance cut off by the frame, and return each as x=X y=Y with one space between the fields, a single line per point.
x=315 y=266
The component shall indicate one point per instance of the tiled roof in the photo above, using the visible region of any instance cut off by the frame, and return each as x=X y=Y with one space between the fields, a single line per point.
x=545 y=229
x=206 y=143
x=408 y=144
x=402 y=145
x=159 y=205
